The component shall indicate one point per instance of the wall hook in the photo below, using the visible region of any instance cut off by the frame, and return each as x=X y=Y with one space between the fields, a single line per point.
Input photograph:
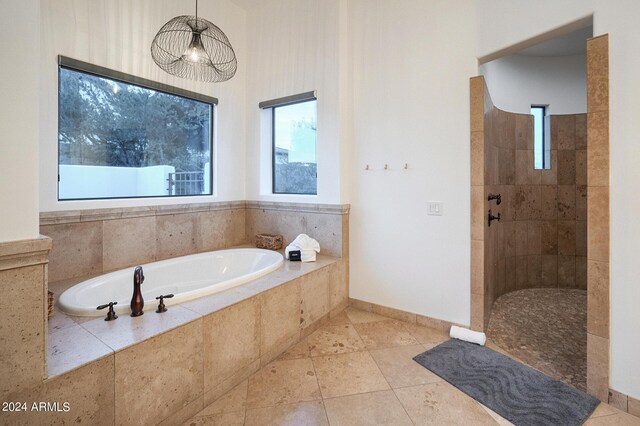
x=366 y=167
x=386 y=167
x=406 y=166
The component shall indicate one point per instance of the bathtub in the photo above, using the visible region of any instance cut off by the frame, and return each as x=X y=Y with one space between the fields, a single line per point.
x=187 y=277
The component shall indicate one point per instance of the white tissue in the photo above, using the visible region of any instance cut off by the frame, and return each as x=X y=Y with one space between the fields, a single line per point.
x=308 y=248
x=468 y=335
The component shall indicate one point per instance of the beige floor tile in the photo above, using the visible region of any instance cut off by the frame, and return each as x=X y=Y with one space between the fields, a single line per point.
x=297 y=351
x=604 y=410
x=442 y=404
x=497 y=417
x=357 y=316
x=399 y=368
x=335 y=339
x=384 y=334
x=224 y=419
x=303 y=413
x=621 y=419
x=234 y=400
x=341 y=318
x=283 y=382
x=425 y=335
x=347 y=374
x=375 y=408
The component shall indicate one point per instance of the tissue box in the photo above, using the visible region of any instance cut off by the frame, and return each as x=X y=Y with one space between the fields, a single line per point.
x=270 y=242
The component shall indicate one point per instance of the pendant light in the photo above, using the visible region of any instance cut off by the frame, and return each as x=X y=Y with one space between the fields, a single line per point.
x=194 y=48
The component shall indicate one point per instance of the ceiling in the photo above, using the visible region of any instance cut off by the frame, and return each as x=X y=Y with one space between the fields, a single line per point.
x=573 y=43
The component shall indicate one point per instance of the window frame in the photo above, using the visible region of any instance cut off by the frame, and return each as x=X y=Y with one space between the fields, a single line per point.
x=281 y=102
x=543 y=135
x=117 y=76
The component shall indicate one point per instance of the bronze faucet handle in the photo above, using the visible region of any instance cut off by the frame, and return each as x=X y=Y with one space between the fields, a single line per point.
x=111 y=314
x=161 y=307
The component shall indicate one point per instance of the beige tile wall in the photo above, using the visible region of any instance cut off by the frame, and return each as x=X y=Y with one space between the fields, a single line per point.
x=91 y=242
x=550 y=209
x=541 y=239
x=23 y=271
x=598 y=217
x=478 y=98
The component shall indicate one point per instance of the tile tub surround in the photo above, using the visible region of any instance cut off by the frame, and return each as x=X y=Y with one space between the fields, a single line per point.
x=202 y=348
x=89 y=242
x=327 y=223
x=23 y=332
x=332 y=378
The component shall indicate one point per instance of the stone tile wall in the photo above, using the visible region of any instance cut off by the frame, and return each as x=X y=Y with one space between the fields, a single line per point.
x=542 y=236
x=541 y=239
x=91 y=242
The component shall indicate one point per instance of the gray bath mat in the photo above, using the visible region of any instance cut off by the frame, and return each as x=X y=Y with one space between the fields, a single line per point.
x=518 y=393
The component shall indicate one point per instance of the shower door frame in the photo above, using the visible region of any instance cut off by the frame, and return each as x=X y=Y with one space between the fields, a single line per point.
x=598 y=216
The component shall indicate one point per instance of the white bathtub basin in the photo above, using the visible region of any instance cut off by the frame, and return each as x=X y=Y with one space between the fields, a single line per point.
x=187 y=277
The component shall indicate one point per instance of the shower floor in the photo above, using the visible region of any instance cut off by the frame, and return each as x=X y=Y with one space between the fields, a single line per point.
x=545 y=328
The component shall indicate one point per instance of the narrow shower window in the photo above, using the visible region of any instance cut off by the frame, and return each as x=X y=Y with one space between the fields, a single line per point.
x=541 y=147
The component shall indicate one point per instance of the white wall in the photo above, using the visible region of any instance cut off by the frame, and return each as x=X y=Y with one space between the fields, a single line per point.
x=19 y=117
x=504 y=22
x=117 y=34
x=411 y=74
x=294 y=47
x=77 y=181
x=516 y=82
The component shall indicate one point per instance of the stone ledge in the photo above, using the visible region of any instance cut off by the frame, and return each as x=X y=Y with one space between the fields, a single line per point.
x=94 y=215
x=21 y=253
x=340 y=209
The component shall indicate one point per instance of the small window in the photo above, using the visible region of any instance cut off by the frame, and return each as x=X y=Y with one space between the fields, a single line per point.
x=541 y=149
x=120 y=136
x=294 y=144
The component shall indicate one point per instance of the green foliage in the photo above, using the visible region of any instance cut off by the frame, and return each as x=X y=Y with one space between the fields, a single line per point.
x=102 y=122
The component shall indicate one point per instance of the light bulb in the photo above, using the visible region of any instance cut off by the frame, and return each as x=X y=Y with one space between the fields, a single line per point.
x=194 y=55
x=195 y=52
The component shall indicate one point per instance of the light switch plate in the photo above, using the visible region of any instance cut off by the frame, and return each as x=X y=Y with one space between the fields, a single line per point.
x=434 y=208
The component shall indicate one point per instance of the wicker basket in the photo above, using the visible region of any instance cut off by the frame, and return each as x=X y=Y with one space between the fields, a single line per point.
x=50 y=302
x=270 y=242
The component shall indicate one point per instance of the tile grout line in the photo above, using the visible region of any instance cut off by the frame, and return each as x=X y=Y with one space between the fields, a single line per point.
x=391 y=388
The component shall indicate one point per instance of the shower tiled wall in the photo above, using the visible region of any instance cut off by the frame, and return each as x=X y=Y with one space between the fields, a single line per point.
x=540 y=240
x=551 y=207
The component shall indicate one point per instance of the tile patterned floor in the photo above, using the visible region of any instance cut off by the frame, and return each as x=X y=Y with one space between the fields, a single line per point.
x=545 y=328
x=358 y=370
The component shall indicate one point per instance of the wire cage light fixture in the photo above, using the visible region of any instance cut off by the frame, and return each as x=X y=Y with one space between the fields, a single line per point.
x=194 y=48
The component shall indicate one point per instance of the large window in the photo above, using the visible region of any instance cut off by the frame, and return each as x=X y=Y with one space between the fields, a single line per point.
x=541 y=148
x=120 y=136
x=294 y=144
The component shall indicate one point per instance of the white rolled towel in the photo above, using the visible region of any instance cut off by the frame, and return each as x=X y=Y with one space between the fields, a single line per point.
x=308 y=248
x=468 y=335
